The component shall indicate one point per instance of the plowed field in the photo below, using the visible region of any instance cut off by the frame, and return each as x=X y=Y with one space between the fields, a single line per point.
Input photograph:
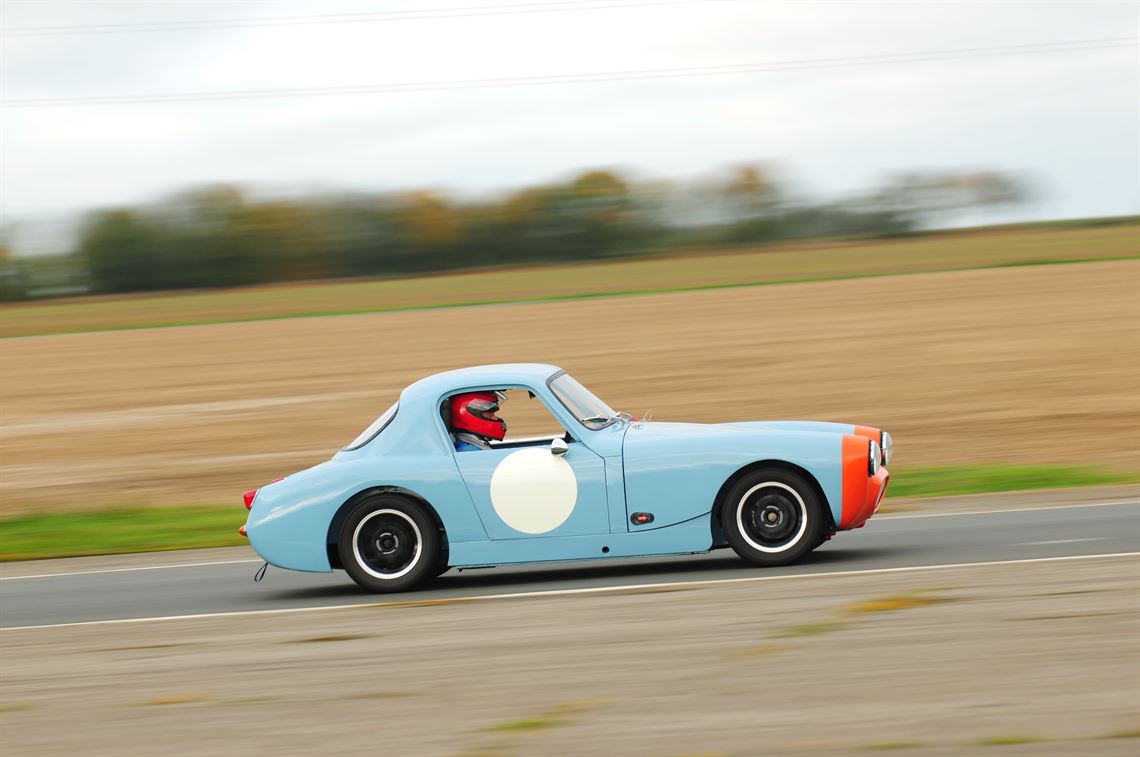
x=1015 y=365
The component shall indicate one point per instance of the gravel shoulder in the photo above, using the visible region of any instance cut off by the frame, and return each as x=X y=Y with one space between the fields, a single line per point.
x=1042 y=657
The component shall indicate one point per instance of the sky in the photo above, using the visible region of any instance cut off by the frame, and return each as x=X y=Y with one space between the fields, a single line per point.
x=1069 y=122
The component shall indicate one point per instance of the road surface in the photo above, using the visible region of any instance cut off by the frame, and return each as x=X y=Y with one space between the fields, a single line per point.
x=892 y=542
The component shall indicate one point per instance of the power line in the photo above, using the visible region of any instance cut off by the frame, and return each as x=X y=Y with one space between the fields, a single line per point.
x=581 y=78
x=551 y=6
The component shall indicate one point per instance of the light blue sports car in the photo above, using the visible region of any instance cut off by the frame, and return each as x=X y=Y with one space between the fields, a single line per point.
x=401 y=504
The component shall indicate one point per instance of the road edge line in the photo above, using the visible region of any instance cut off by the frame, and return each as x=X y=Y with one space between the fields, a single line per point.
x=573 y=592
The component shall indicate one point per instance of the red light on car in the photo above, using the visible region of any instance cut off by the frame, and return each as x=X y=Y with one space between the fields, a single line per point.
x=242 y=532
x=249 y=495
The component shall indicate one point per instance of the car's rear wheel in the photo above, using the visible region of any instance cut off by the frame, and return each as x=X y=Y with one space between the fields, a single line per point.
x=773 y=517
x=388 y=543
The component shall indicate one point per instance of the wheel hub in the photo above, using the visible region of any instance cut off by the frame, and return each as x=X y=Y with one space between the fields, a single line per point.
x=387 y=543
x=772 y=517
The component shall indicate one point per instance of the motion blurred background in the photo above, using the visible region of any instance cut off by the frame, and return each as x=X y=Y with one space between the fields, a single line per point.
x=186 y=145
x=248 y=164
x=231 y=232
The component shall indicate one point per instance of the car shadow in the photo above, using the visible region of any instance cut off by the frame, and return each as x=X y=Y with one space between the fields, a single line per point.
x=586 y=574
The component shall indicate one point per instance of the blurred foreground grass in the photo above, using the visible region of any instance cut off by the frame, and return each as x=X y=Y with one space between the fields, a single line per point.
x=982 y=479
x=112 y=532
x=190 y=527
x=676 y=271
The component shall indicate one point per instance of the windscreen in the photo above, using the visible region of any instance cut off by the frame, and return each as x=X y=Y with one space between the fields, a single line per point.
x=580 y=401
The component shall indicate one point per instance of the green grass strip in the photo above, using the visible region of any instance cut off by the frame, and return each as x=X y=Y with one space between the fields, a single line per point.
x=984 y=479
x=110 y=532
x=157 y=529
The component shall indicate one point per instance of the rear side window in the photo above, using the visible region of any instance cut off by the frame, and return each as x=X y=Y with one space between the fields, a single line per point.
x=374 y=430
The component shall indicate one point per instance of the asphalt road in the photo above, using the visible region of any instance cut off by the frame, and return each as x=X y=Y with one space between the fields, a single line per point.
x=887 y=542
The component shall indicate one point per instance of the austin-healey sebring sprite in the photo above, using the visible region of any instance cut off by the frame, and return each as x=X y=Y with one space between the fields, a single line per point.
x=435 y=483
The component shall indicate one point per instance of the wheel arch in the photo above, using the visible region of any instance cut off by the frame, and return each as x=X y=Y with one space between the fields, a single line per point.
x=332 y=539
x=726 y=487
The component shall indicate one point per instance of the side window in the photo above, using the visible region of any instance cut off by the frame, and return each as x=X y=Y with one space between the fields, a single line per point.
x=528 y=420
x=527 y=416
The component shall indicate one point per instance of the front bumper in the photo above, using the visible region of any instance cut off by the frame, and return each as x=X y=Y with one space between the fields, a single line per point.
x=876 y=491
x=862 y=493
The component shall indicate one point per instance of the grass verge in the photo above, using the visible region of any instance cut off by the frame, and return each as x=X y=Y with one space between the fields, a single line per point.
x=984 y=479
x=194 y=526
x=120 y=531
x=675 y=272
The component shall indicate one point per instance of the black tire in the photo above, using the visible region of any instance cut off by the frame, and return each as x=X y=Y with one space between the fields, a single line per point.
x=388 y=543
x=773 y=517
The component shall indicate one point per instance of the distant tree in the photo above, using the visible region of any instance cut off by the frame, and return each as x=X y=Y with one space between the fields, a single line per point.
x=752 y=204
x=12 y=285
x=751 y=192
x=927 y=199
x=429 y=229
x=117 y=246
x=277 y=241
x=222 y=236
x=208 y=238
x=600 y=206
x=359 y=233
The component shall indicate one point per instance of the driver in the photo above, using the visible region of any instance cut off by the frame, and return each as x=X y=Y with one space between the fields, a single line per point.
x=474 y=420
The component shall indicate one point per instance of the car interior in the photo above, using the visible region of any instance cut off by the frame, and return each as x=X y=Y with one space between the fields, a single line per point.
x=529 y=422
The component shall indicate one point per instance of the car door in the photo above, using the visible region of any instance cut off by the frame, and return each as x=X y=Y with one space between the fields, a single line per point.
x=531 y=489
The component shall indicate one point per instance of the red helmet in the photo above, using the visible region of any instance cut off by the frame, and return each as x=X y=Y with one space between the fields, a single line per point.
x=475 y=412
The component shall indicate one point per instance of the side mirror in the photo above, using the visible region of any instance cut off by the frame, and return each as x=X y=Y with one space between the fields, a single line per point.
x=559 y=447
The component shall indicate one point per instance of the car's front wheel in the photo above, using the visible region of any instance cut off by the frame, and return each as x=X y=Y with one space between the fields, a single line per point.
x=388 y=543
x=773 y=517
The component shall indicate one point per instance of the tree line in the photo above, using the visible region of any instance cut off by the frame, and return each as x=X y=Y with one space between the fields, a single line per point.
x=224 y=235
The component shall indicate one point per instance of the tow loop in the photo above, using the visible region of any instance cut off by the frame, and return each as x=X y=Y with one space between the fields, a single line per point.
x=260 y=574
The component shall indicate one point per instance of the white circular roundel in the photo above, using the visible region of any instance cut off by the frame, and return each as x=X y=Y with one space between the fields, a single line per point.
x=534 y=491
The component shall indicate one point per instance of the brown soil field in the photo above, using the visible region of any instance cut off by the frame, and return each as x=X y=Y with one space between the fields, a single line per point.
x=1017 y=365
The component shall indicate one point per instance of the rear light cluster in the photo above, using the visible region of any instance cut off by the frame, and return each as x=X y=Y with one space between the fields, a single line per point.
x=249 y=496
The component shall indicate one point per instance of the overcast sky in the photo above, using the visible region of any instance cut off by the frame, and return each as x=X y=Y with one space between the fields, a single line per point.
x=1070 y=121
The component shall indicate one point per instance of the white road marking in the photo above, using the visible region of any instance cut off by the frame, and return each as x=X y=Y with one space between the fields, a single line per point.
x=902 y=516
x=878 y=518
x=1059 y=541
x=574 y=592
